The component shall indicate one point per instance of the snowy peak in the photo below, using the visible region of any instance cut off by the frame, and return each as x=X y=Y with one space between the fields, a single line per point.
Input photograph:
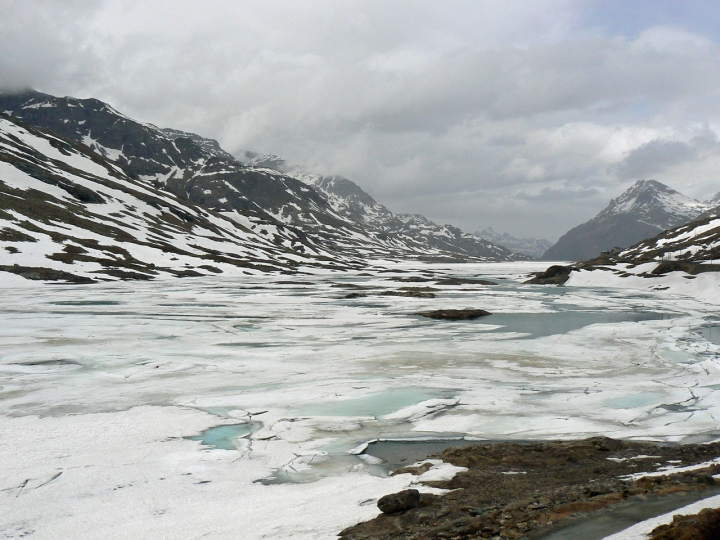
x=647 y=208
x=142 y=150
x=531 y=247
x=713 y=201
x=211 y=146
x=349 y=201
x=267 y=161
x=655 y=204
x=321 y=216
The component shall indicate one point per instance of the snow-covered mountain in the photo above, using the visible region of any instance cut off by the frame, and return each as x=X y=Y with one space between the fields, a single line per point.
x=645 y=209
x=713 y=201
x=210 y=146
x=67 y=213
x=694 y=242
x=349 y=200
x=198 y=170
x=532 y=247
x=683 y=260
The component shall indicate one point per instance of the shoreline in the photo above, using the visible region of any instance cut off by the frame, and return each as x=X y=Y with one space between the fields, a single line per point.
x=549 y=490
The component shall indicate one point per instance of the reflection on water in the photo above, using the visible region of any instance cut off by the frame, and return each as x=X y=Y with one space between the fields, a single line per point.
x=633 y=401
x=548 y=324
x=399 y=453
x=225 y=437
x=86 y=303
x=712 y=334
x=376 y=404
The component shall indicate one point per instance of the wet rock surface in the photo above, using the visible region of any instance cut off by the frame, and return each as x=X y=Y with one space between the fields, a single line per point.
x=702 y=526
x=526 y=490
x=554 y=275
x=465 y=281
x=455 y=314
x=412 y=292
x=407 y=292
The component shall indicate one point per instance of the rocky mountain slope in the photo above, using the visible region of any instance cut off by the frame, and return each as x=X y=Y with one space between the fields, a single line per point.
x=713 y=201
x=198 y=170
x=678 y=255
x=348 y=200
x=644 y=210
x=531 y=247
x=66 y=213
x=697 y=242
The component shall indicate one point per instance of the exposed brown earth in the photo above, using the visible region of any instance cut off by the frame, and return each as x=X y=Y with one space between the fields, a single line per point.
x=524 y=490
x=702 y=526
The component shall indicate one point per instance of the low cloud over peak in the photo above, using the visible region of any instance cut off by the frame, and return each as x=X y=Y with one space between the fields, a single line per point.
x=526 y=117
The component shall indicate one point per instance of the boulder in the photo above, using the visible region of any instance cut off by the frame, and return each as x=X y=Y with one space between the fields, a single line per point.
x=455 y=314
x=555 y=275
x=401 y=501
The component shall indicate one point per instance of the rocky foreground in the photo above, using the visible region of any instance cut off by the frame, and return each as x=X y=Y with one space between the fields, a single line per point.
x=525 y=490
x=703 y=526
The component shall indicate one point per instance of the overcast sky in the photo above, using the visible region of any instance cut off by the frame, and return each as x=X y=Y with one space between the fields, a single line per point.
x=527 y=116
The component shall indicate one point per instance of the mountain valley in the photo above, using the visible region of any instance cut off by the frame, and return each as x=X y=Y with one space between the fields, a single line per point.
x=269 y=219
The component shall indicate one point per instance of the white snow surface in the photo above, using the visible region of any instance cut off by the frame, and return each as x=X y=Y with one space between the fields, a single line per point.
x=705 y=287
x=101 y=385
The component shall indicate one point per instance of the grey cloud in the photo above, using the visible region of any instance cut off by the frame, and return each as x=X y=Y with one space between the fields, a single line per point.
x=464 y=111
x=42 y=42
x=654 y=157
x=510 y=140
x=548 y=195
x=659 y=155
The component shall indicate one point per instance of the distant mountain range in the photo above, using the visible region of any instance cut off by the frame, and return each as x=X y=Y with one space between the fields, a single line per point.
x=307 y=218
x=527 y=246
x=348 y=200
x=87 y=192
x=644 y=210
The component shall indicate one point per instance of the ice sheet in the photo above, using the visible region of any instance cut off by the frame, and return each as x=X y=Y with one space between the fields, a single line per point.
x=103 y=389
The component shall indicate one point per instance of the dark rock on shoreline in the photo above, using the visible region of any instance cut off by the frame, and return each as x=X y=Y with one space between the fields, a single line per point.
x=455 y=314
x=465 y=281
x=45 y=274
x=555 y=275
x=401 y=501
x=683 y=266
x=524 y=490
x=412 y=292
x=406 y=292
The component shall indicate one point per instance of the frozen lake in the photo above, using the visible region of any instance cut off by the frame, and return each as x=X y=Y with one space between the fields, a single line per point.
x=236 y=407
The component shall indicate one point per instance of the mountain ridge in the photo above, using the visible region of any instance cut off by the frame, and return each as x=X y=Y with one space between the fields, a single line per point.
x=352 y=202
x=532 y=247
x=199 y=171
x=69 y=214
x=642 y=211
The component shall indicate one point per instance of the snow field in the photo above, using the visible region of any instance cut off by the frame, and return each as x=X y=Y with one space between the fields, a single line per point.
x=105 y=384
